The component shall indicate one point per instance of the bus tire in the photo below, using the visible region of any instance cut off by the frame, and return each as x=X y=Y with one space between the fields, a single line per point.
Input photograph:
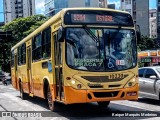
x=51 y=103
x=23 y=95
x=103 y=104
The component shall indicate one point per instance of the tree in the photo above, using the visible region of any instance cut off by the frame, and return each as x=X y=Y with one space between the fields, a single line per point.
x=147 y=43
x=20 y=27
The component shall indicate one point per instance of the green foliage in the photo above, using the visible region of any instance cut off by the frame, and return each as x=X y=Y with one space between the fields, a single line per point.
x=20 y=27
x=147 y=43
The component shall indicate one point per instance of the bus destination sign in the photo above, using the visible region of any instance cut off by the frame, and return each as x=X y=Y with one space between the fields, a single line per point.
x=101 y=18
x=90 y=18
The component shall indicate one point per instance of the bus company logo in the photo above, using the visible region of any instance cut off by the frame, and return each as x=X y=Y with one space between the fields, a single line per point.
x=6 y=114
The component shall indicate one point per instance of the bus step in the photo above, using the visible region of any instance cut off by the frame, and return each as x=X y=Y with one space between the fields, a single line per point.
x=60 y=101
x=31 y=94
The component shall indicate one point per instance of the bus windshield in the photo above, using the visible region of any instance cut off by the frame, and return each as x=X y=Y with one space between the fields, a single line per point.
x=100 y=49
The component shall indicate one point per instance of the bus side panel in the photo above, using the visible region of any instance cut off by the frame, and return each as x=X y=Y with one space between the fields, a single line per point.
x=36 y=78
x=22 y=75
x=40 y=74
x=24 y=78
x=14 y=78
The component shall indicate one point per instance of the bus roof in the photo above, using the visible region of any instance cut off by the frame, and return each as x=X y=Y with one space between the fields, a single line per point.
x=94 y=8
x=59 y=15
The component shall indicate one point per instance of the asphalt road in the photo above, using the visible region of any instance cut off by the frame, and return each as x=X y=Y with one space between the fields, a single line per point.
x=15 y=108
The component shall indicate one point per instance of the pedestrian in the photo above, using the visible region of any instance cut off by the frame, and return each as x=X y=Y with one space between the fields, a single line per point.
x=4 y=82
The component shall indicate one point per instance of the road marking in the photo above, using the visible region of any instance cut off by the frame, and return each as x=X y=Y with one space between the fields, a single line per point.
x=24 y=102
x=54 y=118
x=130 y=104
x=6 y=111
x=11 y=88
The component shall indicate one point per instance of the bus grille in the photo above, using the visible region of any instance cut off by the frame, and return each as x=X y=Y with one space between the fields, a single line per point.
x=101 y=79
x=105 y=94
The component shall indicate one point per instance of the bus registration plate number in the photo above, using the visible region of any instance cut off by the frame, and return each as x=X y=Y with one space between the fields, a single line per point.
x=116 y=76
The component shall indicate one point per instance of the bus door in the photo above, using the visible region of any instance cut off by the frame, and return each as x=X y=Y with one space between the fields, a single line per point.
x=58 y=69
x=15 y=84
x=29 y=73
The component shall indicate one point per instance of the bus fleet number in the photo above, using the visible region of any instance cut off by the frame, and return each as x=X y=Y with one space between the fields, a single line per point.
x=116 y=76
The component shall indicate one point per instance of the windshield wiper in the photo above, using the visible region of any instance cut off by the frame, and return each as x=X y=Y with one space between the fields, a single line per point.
x=90 y=33
x=94 y=37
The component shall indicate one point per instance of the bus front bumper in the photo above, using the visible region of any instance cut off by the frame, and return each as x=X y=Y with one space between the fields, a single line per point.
x=83 y=96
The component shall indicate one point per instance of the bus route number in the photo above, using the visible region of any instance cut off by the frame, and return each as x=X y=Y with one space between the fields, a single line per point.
x=116 y=76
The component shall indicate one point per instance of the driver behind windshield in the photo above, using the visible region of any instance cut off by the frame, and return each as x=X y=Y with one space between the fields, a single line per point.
x=117 y=47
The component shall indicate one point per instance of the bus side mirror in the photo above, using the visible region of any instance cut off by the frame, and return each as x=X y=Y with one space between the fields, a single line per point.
x=60 y=36
x=138 y=32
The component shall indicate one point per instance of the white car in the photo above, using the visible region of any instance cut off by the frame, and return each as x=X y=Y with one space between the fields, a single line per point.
x=149 y=82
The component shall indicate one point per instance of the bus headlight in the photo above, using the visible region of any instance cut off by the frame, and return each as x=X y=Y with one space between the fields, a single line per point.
x=73 y=82
x=76 y=84
x=131 y=83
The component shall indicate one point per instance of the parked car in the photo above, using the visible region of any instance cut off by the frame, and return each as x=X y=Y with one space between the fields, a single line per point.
x=149 y=82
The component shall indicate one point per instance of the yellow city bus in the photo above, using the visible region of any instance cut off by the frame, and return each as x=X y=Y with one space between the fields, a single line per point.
x=79 y=55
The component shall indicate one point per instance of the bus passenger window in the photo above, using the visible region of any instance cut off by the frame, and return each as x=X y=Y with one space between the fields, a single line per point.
x=37 y=48
x=22 y=54
x=46 y=43
x=19 y=55
x=12 y=59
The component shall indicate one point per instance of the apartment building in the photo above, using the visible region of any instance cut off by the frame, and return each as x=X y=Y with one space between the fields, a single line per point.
x=153 y=23
x=139 y=9
x=18 y=8
x=158 y=20
x=54 y=6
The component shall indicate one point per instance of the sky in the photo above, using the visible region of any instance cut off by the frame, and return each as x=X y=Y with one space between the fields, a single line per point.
x=40 y=6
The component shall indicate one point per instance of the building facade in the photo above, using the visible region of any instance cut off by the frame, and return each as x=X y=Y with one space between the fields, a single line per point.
x=49 y=7
x=158 y=21
x=111 y=6
x=153 y=23
x=142 y=16
x=127 y=5
x=18 y=8
x=1 y=24
x=139 y=9
x=54 y=6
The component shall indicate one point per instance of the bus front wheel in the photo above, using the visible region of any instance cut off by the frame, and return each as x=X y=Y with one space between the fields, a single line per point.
x=50 y=101
x=103 y=104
